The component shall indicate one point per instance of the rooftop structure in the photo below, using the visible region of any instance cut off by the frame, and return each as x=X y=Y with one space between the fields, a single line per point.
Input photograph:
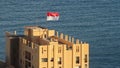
x=40 y=47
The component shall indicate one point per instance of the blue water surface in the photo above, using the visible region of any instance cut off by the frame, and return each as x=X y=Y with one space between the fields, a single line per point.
x=94 y=21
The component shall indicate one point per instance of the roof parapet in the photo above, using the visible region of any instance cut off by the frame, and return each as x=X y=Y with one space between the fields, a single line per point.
x=81 y=42
x=15 y=32
x=61 y=36
x=65 y=37
x=72 y=39
x=68 y=38
x=77 y=41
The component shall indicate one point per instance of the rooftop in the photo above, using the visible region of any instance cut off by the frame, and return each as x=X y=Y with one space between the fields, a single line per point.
x=37 y=36
x=34 y=27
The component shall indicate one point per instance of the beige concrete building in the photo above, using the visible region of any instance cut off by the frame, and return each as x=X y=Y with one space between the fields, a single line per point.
x=43 y=48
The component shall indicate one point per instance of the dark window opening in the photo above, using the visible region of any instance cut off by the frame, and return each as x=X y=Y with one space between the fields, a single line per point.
x=77 y=60
x=45 y=36
x=44 y=60
x=42 y=50
x=52 y=59
x=85 y=65
x=27 y=55
x=59 y=60
x=27 y=64
x=85 y=58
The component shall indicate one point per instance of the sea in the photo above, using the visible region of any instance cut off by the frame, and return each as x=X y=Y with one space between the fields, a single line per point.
x=96 y=22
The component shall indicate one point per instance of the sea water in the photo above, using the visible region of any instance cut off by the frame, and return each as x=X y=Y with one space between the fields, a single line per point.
x=94 y=21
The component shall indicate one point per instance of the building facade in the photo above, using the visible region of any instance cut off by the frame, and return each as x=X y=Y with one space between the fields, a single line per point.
x=40 y=47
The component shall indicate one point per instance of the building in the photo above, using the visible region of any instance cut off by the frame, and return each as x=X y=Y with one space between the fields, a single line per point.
x=40 y=47
x=4 y=65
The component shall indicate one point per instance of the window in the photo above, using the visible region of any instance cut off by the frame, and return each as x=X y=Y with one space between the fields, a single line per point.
x=85 y=58
x=45 y=36
x=77 y=60
x=85 y=65
x=44 y=60
x=59 y=67
x=59 y=60
x=52 y=59
x=27 y=64
x=27 y=55
x=42 y=50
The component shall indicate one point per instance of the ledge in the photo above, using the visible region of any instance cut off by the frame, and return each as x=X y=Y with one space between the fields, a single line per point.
x=4 y=65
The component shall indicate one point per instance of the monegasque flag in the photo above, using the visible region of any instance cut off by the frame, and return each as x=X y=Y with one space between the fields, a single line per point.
x=52 y=16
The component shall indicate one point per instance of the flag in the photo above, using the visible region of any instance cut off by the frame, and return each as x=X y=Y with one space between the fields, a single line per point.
x=52 y=16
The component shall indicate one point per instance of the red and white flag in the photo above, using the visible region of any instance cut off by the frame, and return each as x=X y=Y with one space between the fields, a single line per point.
x=52 y=16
